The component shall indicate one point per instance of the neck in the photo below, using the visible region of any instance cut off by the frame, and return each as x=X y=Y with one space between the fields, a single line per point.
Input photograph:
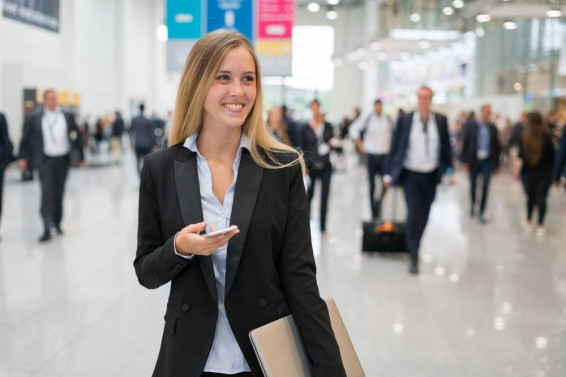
x=424 y=114
x=219 y=143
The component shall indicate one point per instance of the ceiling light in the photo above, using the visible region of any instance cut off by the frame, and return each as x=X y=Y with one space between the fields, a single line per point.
x=332 y=2
x=313 y=7
x=415 y=17
x=332 y=15
x=376 y=46
x=458 y=4
x=517 y=86
x=554 y=12
x=480 y=32
x=483 y=17
x=510 y=25
x=448 y=11
x=424 y=45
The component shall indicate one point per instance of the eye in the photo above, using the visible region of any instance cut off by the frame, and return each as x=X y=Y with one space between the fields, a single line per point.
x=223 y=77
x=248 y=78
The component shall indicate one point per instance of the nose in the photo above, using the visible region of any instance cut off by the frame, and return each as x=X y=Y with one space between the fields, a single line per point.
x=236 y=88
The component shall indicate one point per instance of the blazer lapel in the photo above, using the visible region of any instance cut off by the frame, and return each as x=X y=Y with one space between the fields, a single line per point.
x=188 y=193
x=247 y=188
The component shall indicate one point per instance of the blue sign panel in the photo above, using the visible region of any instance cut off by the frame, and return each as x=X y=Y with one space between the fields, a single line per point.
x=184 y=20
x=230 y=15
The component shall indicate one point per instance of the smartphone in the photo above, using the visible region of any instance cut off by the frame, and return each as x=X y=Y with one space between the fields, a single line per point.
x=221 y=231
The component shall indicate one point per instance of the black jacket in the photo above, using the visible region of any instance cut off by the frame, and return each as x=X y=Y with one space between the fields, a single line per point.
x=270 y=268
x=310 y=143
x=6 y=146
x=400 y=143
x=470 y=144
x=31 y=145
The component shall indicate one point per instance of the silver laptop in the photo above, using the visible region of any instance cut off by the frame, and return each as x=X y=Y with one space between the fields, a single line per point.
x=280 y=351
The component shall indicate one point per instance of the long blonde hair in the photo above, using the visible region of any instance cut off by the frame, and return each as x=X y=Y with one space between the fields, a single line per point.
x=199 y=72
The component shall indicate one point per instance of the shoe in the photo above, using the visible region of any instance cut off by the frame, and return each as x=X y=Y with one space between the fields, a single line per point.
x=45 y=237
x=528 y=226
x=58 y=230
x=414 y=267
x=483 y=220
x=541 y=231
x=472 y=213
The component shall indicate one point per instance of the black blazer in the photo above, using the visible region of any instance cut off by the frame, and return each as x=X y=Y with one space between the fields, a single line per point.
x=400 y=142
x=31 y=144
x=560 y=156
x=6 y=146
x=309 y=146
x=470 y=144
x=270 y=268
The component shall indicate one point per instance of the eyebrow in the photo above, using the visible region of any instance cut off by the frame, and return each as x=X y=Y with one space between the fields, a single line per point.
x=245 y=73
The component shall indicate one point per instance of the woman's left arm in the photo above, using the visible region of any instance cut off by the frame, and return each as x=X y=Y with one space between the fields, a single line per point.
x=298 y=279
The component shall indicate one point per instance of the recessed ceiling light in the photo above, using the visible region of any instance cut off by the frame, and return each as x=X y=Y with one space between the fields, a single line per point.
x=458 y=4
x=483 y=17
x=313 y=7
x=415 y=17
x=448 y=11
x=332 y=15
x=332 y=2
x=510 y=25
x=517 y=86
x=554 y=12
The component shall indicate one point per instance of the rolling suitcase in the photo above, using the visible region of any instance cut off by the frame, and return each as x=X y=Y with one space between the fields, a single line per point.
x=384 y=236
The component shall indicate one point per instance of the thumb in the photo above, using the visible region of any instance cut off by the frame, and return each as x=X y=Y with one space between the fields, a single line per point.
x=196 y=228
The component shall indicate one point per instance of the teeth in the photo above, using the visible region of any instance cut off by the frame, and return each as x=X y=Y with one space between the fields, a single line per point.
x=233 y=106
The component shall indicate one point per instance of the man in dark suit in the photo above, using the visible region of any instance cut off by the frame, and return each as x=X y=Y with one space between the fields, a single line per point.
x=481 y=150
x=560 y=158
x=6 y=153
x=420 y=155
x=48 y=139
x=144 y=136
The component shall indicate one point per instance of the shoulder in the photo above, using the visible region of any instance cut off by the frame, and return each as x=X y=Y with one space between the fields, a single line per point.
x=166 y=156
x=441 y=117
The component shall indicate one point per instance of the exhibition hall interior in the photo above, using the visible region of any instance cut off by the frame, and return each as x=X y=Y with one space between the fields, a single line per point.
x=433 y=138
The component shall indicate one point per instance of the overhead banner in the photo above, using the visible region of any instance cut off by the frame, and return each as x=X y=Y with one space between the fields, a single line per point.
x=184 y=19
x=275 y=29
x=44 y=14
x=230 y=15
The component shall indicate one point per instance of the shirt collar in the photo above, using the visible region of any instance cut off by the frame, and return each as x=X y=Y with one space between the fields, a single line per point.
x=191 y=143
x=56 y=111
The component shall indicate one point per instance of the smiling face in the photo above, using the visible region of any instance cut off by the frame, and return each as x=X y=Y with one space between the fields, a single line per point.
x=232 y=94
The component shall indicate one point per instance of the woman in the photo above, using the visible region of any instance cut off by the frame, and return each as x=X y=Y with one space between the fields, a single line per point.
x=224 y=168
x=535 y=162
x=276 y=125
x=316 y=138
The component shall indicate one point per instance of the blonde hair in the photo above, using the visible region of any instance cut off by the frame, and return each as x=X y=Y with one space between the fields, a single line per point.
x=199 y=72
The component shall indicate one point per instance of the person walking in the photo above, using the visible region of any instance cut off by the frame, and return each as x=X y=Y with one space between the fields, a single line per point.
x=481 y=150
x=48 y=138
x=419 y=157
x=6 y=154
x=534 y=167
x=224 y=168
x=145 y=140
x=377 y=129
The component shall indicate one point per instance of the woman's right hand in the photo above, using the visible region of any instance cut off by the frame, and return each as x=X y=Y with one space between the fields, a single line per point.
x=190 y=242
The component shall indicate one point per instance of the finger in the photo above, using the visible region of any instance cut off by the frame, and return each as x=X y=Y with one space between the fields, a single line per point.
x=196 y=228
x=212 y=228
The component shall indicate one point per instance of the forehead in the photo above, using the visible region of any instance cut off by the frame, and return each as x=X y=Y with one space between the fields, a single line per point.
x=238 y=58
x=424 y=93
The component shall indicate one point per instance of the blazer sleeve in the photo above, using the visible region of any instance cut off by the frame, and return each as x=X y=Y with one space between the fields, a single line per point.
x=298 y=280
x=395 y=140
x=27 y=134
x=77 y=140
x=466 y=135
x=446 y=149
x=7 y=148
x=156 y=262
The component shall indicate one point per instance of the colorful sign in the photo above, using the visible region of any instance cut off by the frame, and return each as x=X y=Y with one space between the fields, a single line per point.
x=230 y=15
x=184 y=19
x=275 y=30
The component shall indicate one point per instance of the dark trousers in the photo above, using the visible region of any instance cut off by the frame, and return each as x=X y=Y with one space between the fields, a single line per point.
x=52 y=175
x=485 y=168
x=376 y=165
x=536 y=184
x=1 y=187
x=141 y=152
x=324 y=175
x=242 y=374
x=420 y=190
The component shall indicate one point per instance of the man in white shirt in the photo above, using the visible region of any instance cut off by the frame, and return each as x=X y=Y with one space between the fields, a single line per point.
x=376 y=129
x=420 y=155
x=48 y=138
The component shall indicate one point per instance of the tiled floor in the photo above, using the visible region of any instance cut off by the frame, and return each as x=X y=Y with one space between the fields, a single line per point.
x=490 y=300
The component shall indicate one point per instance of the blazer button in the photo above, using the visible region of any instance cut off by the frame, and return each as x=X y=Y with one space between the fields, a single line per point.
x=186 y=307
x=262 y=302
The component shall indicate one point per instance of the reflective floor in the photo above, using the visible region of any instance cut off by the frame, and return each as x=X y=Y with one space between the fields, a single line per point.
x=490 y=299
